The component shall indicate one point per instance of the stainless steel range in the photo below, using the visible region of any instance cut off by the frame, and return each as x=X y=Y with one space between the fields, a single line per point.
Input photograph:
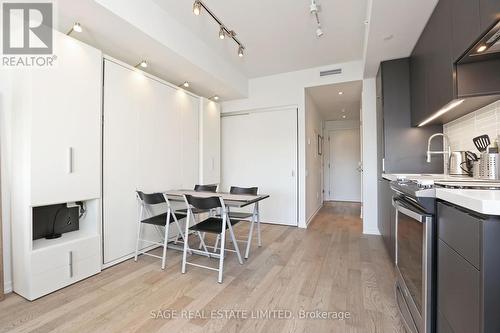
x=415 y=245
x=416 y=238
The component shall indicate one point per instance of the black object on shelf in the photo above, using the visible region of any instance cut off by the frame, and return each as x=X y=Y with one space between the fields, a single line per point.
x=52 y=221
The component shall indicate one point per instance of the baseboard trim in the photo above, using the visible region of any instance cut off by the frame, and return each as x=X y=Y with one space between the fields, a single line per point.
x=314 y=215
x=372 y=231
x=127 y=257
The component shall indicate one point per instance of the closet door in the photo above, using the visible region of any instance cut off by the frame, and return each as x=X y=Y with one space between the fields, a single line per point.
x=260 y=149
x=150 y=144
x=120 y=159
x=65 y=134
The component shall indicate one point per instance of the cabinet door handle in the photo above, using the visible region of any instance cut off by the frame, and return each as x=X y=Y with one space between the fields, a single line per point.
x=70 y=264
x=70 y=159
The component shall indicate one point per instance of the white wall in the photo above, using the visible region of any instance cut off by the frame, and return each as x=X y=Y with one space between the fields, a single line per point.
x=314 y=165
x=288 y=89
x=210 y=132
x=5 y=153
x=369 y=148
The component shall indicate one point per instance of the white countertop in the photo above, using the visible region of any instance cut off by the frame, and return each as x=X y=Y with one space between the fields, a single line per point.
x=482 y=201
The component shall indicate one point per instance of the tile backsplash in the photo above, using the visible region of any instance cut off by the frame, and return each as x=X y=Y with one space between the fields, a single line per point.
x=483 y=121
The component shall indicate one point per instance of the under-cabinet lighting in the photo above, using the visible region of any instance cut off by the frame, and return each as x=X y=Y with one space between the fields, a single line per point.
x=445 y=109
x=482 y=48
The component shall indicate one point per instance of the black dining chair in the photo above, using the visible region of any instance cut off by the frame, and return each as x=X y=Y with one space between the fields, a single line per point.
x=245 y=216
x=160 y=220
x=212 y=224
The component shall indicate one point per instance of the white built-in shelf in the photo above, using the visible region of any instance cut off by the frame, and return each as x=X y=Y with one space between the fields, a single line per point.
x=65 y=238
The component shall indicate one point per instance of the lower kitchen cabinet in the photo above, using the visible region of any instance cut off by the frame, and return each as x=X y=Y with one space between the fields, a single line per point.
x=386 y=218
x=468 y=271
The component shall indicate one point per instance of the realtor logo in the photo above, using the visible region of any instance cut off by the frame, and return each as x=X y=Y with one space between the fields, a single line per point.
x=27 y=28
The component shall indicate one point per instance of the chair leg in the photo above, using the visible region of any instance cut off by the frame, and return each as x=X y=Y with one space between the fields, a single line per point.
x=202 y=244
x=235 y=243
x=221 y=257
x=165 y=244
x=259 y=240
x=250 y=236
x=202 y=238
x=138 y=240
x=186 y=246
x=216 y=243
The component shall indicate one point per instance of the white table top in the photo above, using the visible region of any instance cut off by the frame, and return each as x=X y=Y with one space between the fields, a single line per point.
x=240 y=200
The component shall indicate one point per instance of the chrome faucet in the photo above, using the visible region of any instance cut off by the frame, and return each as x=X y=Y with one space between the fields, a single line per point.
x=446 y=151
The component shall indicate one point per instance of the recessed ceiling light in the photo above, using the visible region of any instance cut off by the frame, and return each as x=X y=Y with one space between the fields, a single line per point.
x=482 y=48
x=344 y=116
x=185 y=84
x=341 y=92
x=215 y=98
x=240 y=51
x=196 y=8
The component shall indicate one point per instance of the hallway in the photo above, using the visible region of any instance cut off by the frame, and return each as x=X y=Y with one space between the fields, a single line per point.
x=329 y=267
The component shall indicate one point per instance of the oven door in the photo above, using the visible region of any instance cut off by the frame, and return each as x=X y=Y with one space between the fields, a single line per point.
x=414 y=261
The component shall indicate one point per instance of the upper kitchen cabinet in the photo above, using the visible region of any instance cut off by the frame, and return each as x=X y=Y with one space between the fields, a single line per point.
x=490 y=12
x=395 y=134
x=465 y=24
x=440 y=88
x=439 y=78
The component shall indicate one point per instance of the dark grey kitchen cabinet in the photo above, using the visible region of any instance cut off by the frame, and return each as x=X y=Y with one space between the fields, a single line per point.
x=386 y=217
x=401 y=146
x=468 y=271
x=465 y=26
x=439 y=67
x=418 y=74
x=490 y=12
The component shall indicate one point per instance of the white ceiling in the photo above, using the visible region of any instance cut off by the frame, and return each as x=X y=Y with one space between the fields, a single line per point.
x=333 y=106
x=279 y=35
x=394 y=29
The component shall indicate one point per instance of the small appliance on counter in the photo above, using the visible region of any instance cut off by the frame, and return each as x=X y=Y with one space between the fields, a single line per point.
x=461 y=163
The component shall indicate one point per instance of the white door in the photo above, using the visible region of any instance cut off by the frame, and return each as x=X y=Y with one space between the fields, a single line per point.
x=345 y=154
x=260 y=149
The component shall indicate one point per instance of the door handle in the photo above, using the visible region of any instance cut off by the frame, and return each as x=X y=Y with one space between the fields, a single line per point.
x=70 y=264
x=70 y=159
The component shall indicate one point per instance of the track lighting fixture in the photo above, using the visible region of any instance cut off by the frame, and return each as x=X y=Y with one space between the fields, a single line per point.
x=76 y=27
x=215 y=98
x=196 y=8
x=223 y=31
x=185 y=84
x=314 y=9
x=143 y=64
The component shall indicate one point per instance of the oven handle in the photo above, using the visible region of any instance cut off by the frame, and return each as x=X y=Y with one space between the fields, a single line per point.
x=404 y=209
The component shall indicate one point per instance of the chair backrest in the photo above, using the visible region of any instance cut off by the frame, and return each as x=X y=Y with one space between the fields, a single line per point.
x=151 y=198
x=204 y=203
x=244 y=190
x=205 y=188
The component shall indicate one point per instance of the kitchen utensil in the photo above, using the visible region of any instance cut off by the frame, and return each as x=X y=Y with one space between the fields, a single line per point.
x=461 y=163
x=482 y=142
x=489 y=166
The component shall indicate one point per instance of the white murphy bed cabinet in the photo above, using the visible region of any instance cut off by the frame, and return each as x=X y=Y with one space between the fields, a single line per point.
x=150 y=142
x=56 y=159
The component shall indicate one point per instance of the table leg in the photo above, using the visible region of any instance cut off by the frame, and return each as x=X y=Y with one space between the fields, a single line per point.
x=250 y=232
x=258 y=224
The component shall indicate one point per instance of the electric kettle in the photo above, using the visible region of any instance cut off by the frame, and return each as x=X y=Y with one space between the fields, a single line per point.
x=461 y=163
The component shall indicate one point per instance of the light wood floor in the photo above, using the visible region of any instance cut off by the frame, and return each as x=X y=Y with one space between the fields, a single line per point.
x=330 y=266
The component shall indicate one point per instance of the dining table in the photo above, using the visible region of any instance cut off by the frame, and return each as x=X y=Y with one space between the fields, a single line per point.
x=230 y=200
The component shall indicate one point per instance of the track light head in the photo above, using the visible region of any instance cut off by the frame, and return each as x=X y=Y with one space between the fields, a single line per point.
x=185 y=84
x=77 y=27
x=215 y=98
x=196 y=8
x=241 y=51
x=222 y=33
x=319 y=32
x=142 y=64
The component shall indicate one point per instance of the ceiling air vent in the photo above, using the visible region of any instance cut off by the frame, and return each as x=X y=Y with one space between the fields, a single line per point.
x=331 y=72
